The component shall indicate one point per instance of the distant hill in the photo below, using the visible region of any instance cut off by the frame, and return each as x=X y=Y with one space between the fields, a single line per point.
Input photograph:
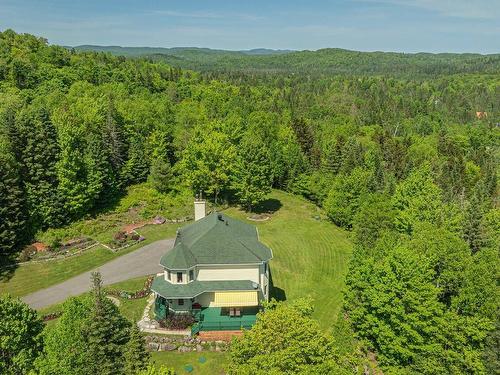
x=323 y=61
x=144 y=51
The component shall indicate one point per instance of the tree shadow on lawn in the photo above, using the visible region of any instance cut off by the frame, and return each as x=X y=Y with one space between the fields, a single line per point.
x=8 y=265
x=274 y=292
x=269 y=206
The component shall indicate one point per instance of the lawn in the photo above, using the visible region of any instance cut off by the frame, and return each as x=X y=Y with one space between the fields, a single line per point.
x=214 y=364
x=310 y=253
x=132 y=309
x=32 y=277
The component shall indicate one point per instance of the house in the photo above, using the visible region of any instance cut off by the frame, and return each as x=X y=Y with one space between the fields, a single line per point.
x=218 y=270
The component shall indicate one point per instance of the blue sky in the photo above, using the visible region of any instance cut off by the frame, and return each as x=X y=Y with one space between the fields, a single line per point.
x=366 y=25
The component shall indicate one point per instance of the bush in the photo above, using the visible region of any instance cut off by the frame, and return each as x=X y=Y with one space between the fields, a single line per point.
x=177 y=321
x=120 y=236
x=55 y=244
x=27 y=253
x=135 y=237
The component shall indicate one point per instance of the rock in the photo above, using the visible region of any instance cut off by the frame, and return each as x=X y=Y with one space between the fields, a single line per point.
x=217 y=348
x=199 y=348
x=153 y=346
x=168 y=347
x=183 y=349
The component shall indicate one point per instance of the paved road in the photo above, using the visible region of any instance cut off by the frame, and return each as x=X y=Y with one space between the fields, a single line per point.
x=141 y=262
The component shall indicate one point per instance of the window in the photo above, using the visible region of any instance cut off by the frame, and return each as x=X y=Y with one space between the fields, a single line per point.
x=191 y=275
x=181 y=302
x=169 y=275
x=179 y=277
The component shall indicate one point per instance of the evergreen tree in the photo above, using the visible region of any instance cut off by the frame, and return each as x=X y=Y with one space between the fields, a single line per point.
x=136 y=168
x=252 y=173
x=105 y=333
x=39 y=158
x=161 y=175
x=333 y=155
x=12 y=210
x=474 y=212
x=136 y=357
x=102 y=182
x=114 y=138
x=352 y=156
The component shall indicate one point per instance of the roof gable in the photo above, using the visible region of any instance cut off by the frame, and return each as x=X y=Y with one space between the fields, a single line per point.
x=216 y=239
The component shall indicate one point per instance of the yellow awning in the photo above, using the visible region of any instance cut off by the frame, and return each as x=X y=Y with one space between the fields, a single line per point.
x=235 y=299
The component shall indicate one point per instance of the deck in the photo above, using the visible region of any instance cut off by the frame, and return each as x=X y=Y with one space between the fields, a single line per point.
x=218 y=319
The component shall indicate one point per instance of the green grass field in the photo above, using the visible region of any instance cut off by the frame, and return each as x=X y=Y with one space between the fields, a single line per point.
x=132 y=309
x=310 y=255
x=214 y=364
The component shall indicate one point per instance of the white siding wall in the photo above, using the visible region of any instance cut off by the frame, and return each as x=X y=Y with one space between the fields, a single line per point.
x=264 y=280
x=173 y=277
x=206 y=273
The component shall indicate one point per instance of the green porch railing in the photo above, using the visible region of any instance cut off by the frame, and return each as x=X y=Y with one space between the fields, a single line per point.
x=224 y=326
x=160 y=309
x=195 y=329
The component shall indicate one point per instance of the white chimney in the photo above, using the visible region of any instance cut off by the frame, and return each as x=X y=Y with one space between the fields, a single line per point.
x=199 y=209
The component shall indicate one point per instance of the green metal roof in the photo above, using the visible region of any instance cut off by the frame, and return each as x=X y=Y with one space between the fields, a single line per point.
x=195 y=288
x=216 y=239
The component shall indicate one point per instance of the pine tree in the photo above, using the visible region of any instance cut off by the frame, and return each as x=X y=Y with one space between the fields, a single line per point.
x=333 y=156
x=352 y=156
x=136 y=357
x=12 y=212
x=473 y=215
x=39 y=158
x=114 y=138
x=136 y=168
x=161 y=175
x=106 y=333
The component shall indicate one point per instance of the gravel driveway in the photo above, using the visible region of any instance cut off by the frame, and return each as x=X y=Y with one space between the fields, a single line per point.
x=141 y=262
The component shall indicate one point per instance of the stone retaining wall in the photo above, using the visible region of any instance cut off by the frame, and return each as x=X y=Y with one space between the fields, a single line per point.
x=183 y=344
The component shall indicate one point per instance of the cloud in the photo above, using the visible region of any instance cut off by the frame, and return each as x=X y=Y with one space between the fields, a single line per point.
x=473 y=9
x=206 y=15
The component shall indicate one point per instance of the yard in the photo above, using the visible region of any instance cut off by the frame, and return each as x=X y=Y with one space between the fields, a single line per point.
x=132 y=309
x=310 y=253
x=310 y=256
x=214 y=364
x=31 y=277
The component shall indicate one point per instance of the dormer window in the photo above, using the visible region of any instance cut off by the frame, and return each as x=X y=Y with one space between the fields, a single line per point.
x=191 y=275
x=179 y=277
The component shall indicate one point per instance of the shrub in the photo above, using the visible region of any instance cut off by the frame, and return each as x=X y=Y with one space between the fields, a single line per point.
x=177 y=321
x=27 y=253
x=55 y=244
x=120 y=236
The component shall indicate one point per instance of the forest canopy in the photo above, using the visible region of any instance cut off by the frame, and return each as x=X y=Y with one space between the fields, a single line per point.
x=408 y=164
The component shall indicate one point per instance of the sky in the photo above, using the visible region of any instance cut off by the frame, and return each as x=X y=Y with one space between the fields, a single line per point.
x=364 y=25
